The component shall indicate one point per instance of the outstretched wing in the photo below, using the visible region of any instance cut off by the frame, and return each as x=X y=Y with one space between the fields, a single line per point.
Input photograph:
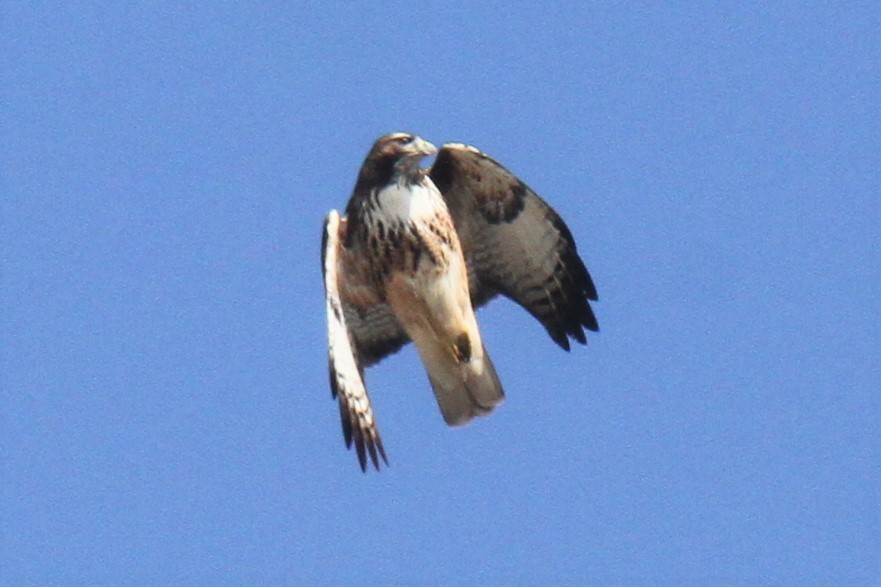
x=361 y=330
x=515 y=244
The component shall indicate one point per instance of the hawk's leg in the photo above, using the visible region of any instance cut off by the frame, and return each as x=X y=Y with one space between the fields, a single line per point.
x=462 y=348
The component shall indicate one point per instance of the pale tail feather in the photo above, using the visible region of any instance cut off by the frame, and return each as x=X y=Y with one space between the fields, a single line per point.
x=463 y=389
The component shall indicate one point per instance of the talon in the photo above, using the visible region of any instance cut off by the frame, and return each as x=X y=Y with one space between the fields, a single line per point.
x=462 y=348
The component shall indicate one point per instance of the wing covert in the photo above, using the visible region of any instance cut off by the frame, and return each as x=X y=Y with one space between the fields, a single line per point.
x=515 y=244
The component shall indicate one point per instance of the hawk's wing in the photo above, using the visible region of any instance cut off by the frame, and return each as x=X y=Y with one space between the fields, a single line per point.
x=361 y=330
x=515 y=244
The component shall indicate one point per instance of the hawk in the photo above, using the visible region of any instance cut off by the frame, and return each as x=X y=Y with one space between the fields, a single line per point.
x=417 y=251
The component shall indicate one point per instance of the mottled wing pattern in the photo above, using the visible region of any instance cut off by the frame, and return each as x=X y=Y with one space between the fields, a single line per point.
x=360 y=332
x=515 y=244
x=375 y=330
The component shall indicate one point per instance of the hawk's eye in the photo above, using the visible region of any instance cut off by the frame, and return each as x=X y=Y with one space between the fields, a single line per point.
x=403 y=140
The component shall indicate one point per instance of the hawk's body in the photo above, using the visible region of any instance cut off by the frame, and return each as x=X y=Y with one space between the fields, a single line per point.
x=409 y=260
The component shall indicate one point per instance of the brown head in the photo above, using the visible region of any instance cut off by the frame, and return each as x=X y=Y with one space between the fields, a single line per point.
x=393 y=155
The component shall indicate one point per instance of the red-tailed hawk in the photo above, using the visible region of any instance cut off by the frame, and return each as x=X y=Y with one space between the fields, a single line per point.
x=417 y=251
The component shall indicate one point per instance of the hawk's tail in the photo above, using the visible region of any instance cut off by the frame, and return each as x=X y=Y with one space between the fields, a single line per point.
x=464 y=388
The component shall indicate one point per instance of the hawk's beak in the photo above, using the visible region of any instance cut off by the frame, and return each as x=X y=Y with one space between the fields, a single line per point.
x=422 y=147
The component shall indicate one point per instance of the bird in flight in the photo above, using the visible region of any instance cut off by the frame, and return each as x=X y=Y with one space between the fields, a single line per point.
x=416 y=252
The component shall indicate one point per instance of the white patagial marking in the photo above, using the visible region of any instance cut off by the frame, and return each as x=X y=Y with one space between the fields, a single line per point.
x=404 y=203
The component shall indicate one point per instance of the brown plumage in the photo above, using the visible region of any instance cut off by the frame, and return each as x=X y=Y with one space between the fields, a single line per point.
x=417 y=251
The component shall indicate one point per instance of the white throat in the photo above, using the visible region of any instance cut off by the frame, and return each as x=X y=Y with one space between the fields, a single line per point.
x=405 y=203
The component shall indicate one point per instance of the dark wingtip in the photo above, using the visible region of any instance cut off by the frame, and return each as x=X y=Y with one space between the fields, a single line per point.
x=362 y=454
x=324 y=242
x=346 y=423
x=371 y=447
x=381 y=452
x=561 y=339
x=334 y=390
x=368 y=445
x=591 y=323
x=588 y=286
x=588 y=319
x=591 y=292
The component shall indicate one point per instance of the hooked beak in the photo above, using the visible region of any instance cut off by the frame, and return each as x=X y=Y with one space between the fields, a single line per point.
x=421 y=147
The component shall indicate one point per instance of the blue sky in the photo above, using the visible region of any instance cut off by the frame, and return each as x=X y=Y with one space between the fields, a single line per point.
x=165 y=411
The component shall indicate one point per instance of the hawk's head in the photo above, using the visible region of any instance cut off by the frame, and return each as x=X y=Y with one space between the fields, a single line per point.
x=393 y=157
x=401 y=145
x=396 y=155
